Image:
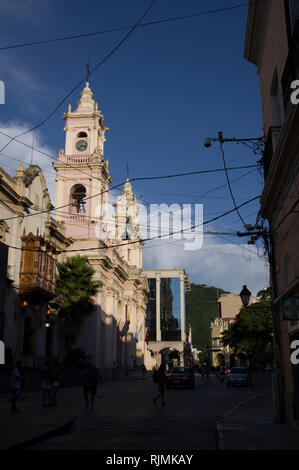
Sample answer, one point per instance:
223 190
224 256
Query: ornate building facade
229 306
272 44
112 243
29 242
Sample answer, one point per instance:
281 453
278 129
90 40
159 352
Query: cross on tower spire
87 71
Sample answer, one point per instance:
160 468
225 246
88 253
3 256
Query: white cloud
20 79
223 265
17 153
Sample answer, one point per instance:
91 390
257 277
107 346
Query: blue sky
162 93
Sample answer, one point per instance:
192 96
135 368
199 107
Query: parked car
181 376
239 376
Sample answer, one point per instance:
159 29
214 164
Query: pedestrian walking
132 363
16 383
101 382
201 371
91 377
46 384
55 381
207 373
115 371
257 380
221 373
160 379
143 371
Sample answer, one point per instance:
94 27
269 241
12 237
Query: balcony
38 268
271 142
78 218
291 69
83 159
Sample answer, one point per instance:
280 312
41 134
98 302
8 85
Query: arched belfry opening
82 134
78 199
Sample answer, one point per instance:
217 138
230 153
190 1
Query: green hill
201 311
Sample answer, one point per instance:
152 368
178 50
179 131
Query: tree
74 295
252 332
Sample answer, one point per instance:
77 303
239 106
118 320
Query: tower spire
87 72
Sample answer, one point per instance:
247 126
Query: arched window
82 134
77 199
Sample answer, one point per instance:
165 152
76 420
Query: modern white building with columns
169 336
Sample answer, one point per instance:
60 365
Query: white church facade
112 244
87 220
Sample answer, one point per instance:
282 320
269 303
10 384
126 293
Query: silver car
239 376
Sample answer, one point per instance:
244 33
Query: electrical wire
145 239
119 44
112 30
128 180
228 183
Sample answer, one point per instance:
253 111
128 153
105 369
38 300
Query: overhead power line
119 44
149 238
228 183
142 178
122 28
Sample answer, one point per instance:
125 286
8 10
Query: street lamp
245 296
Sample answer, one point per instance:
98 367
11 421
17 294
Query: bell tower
125 223
82 173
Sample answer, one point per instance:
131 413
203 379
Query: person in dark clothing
91 377
16 383
207 373
161 382
55 380
46 384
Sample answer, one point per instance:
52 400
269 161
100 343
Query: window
77 199
294 13
170 309
151 309
82 134
275 102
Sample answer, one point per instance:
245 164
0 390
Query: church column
182 294
158 314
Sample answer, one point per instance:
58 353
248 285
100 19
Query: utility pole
277 381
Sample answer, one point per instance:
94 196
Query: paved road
126 417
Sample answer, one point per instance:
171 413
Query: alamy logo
295 353
2 92
156 221
2 353
295 94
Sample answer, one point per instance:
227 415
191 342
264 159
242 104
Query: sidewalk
33 420
250 426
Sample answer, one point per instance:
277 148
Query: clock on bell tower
82 173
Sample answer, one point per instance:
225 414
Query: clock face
81 145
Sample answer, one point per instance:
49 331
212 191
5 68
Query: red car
181 376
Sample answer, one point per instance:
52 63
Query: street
126 417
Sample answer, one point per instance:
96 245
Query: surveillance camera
207 142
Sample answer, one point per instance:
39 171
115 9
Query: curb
219 428
41 437
220 436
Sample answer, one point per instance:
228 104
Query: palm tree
74 295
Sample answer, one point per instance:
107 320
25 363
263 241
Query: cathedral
112 243
137 313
